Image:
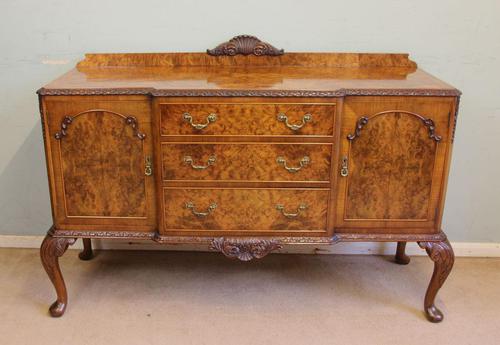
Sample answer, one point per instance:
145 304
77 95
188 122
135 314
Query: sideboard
245 149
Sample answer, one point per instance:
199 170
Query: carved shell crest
245 45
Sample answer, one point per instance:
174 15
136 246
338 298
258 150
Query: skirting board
470 249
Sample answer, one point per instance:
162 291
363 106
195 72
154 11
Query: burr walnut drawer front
281 119
245 209
246 162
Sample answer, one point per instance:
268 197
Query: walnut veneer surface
247 148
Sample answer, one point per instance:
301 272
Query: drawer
238 209
246 162
225 119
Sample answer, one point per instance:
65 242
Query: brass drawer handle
283 118
148 166
189 119
303 162
344 170
191 206
281 208
189 160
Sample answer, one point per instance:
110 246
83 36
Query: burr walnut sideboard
246 149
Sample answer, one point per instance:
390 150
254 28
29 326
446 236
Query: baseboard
470 249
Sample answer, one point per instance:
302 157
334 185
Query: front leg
50 251
442 255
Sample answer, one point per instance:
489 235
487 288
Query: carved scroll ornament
244 249
129 120
245 45
362 121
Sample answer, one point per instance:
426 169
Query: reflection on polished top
291 74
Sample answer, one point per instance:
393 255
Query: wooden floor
202 298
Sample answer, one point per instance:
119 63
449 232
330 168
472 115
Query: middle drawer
246 162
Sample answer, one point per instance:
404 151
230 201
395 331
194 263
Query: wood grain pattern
103 167
246 162
99 163
391 168
339 60
395 152
247 119
245 209
395 162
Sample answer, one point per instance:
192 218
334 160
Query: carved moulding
244 249
129 120
339 237
455 118
248 93
363 121
245 45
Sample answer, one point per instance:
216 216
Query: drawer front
246 162
247 119
231 209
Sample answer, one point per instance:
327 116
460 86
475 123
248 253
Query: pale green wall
459 41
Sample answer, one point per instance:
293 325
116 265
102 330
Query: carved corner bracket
132 122
244 249
67 120
362 121
245 45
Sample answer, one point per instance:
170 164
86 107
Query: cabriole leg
86 253
442 255
52 248
401 257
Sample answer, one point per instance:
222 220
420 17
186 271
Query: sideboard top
248 67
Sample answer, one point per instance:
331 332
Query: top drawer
280 119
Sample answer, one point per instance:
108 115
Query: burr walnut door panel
246 162
100 151
247 119
392 162
244 211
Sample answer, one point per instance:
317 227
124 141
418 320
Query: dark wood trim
244 249
343 237
250 93
455 118
245 45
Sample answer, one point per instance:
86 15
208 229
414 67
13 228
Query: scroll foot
87 253
442 255
52 248
401 257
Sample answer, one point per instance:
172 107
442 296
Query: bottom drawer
239 209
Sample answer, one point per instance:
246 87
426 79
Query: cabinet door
392 163
98 152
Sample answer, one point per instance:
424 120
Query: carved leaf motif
244 249
245 45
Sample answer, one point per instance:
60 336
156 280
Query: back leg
401 257
86 253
